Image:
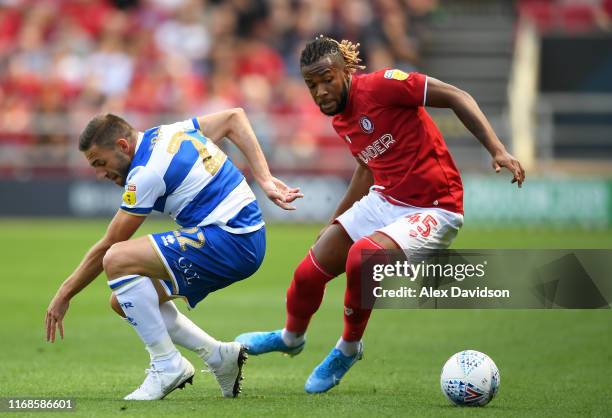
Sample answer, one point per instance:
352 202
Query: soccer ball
470 378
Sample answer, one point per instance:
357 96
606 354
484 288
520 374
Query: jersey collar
139 141
144 147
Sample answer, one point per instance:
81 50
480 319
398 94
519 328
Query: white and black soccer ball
470 378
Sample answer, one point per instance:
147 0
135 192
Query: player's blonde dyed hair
322 46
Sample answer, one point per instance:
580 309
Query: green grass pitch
552 363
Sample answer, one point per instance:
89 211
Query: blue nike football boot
329 373
266 342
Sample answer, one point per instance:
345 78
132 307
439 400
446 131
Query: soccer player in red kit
406 191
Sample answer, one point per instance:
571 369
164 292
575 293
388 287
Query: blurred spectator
184 33
49 123
110 68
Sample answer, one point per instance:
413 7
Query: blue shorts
201 260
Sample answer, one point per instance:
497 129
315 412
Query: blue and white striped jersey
178 171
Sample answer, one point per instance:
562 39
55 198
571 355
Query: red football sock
355 316
305 294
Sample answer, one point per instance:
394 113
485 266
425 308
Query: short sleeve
187 125
397 88
143 187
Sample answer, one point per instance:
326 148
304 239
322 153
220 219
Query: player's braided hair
104 130
323 45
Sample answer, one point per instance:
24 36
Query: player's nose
321 91
101 174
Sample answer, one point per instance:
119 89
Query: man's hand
504 159
281 194
55 316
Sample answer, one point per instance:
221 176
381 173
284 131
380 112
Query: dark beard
343 99
124 167
342 103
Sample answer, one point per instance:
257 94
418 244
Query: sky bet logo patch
129 197
396 75
366 124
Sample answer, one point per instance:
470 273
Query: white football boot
159 383
229 371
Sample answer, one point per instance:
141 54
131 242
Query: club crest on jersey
396 75
366 125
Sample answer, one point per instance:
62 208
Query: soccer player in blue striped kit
179 170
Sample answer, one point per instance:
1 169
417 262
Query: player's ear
123 144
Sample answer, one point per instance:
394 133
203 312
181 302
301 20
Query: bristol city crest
366 125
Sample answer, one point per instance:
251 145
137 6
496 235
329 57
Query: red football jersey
386 126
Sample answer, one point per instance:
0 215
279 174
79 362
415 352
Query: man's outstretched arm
234 124
440 94
121 228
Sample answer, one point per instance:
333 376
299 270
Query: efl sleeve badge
129 197
396 75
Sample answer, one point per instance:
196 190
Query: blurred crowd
63 61
568 16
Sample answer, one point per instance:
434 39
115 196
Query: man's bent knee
114 262
133 257
332 248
